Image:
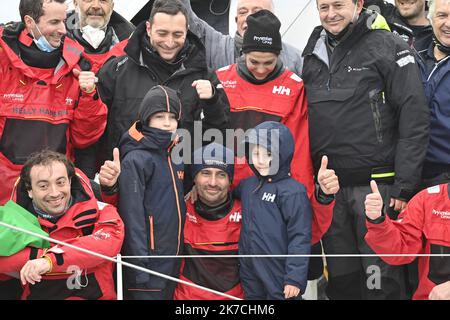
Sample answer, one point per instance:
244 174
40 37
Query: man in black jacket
160 51
408 19
368 114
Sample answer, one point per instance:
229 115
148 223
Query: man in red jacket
259 88
61 197
213 225
423 227
46 101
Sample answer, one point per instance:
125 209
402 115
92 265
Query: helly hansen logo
180 175
235 217
268 197
281 90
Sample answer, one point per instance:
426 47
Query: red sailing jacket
423 227
206 237
97 60
42 108
283 100
87 224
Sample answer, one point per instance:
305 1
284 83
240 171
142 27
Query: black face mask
443 48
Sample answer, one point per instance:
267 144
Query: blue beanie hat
213 155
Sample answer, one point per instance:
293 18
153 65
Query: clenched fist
204 89
86 79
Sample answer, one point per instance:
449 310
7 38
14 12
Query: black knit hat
263 33
159 99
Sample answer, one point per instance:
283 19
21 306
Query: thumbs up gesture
86 79
327 178
110 170
374 202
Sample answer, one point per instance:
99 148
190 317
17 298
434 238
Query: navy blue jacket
151 204
436 81
276 213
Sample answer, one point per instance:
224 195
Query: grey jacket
220 48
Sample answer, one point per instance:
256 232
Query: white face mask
94 36
42 43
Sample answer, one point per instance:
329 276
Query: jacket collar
81 193
195 54
14 32
317 42
244 73
122 28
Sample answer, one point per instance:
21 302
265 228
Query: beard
95 23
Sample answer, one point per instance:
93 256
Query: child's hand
204 89
110 170
291 291
328 180
374 202
192 195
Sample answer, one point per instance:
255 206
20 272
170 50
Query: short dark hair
34 8
171 7
44 158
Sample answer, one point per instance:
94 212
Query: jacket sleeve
405 93
132 184
302 168
89 120
14 263
216 110
106 239
219 47
403 236
292 58
107 81
296 211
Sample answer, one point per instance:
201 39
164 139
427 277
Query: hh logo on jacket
281 90
180 175
268 197
235 217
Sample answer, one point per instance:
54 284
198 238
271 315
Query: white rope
296 256
115 261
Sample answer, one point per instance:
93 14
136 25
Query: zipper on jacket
376 114
152 233
436 66
175 190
